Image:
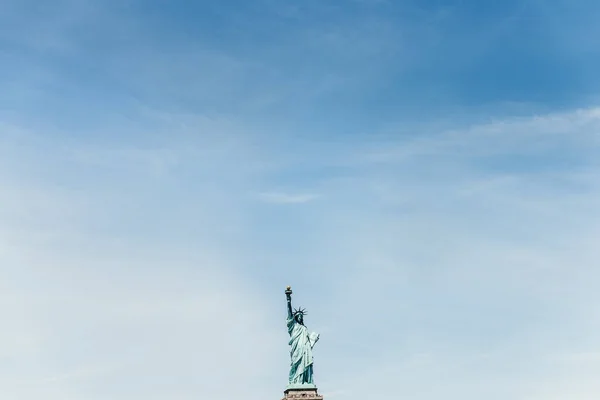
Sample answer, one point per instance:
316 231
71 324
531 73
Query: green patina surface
301 344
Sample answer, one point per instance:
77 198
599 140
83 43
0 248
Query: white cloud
286 198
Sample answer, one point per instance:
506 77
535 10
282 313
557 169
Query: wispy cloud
287 198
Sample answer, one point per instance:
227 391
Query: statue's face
300 318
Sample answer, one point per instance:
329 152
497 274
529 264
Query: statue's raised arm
288 295
301 345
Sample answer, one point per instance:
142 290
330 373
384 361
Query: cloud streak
286 198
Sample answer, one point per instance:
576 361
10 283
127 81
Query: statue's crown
300 311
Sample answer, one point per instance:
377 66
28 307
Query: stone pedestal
301 394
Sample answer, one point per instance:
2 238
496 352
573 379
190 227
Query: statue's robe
301 345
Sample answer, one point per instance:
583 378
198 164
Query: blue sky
424 174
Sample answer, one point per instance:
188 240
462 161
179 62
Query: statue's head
299 315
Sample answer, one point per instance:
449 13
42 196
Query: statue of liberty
301 345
